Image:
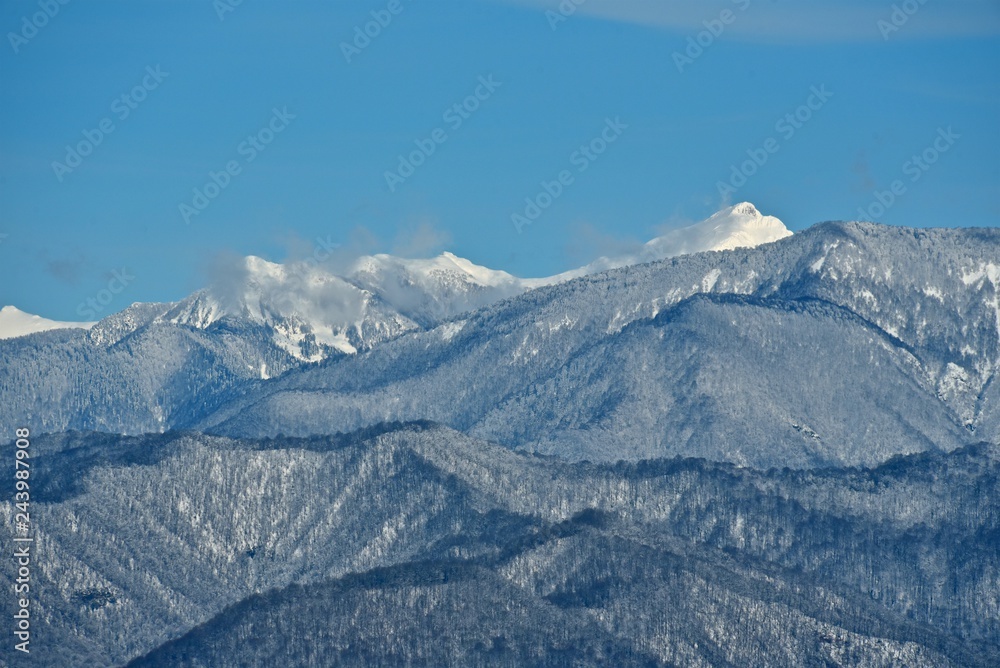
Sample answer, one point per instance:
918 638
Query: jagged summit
711 348
746 209
316 309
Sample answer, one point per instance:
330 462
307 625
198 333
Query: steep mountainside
845 344
412 543
260 319
129 378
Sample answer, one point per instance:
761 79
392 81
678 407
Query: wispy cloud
862 170
423 239
68 270
798 21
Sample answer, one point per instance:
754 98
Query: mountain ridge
407 509
939 350
316 311
14 323
548 370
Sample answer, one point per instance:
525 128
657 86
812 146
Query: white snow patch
817 265
866 294
554 326
15 322
336 340
450 329
954 379
746 285
934 293
984 271
710 280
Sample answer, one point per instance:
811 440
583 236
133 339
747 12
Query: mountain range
841 345
168 362
732 446
344 305
413 544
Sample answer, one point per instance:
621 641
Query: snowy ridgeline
417 545
844 344
334 302
436 543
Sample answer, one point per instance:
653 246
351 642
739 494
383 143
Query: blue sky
318 170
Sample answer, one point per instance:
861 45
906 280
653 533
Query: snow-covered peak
481 275
261 269
15 322
305 305
311 307
738 226
428 291
744 209
446 264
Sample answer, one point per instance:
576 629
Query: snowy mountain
431 291
14 323
843 345
418 545
780 451
313 312
310 313
738 226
